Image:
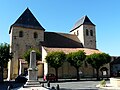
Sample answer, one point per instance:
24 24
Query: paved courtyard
64 85
77 85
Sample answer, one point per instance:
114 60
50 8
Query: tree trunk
56 72
78 78
1 74
97 71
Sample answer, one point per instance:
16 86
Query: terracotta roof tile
25 62
69 50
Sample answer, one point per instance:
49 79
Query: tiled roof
69 50
27 20
83 21
61 40
25 62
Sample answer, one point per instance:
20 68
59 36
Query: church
26 32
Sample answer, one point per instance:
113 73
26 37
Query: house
28 33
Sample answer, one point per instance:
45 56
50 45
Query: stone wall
19 45
68 71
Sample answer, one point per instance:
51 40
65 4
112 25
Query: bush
103 83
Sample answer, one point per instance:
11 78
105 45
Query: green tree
26 55
56 60
97 60
5 55
76 59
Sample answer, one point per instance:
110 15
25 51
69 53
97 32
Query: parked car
50 77
21 79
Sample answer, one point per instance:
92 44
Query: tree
76 59
27 55
5 55
56 60
97 60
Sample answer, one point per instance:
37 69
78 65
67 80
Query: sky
61 15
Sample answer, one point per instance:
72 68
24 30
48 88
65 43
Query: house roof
25 62
27 20
69 50
61 40
83 21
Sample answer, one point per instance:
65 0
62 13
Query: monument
32 72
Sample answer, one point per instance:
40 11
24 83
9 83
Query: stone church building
28 33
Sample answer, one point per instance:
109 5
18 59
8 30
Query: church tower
85 30
25 33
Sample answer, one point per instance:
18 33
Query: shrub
103 83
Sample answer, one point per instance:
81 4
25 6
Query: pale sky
61 15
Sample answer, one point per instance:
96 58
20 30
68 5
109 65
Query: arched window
77 32
74 33
87 33
35 35
91 32
21 34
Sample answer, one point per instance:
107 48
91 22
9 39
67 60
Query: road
64 85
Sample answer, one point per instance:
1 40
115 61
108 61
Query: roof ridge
61 33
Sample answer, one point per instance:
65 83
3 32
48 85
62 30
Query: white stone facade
88 41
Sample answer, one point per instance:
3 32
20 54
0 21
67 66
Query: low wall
115 82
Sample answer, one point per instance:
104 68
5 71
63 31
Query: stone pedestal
32 72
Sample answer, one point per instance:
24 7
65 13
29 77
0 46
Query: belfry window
35 35
74 33
87 33
91 32
21 34
77 32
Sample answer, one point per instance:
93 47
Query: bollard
57 87
42 84
9 87
53 88
48 84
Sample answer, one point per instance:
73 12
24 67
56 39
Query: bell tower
25 33
86 32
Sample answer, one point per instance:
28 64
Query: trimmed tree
5 55
56 60
97 60
76 59
26 55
